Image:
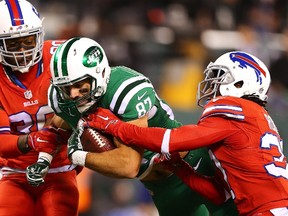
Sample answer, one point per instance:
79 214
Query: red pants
57 196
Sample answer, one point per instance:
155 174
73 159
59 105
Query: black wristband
23 144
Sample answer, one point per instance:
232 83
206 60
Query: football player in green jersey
82 80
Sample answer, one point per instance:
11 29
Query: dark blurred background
171 42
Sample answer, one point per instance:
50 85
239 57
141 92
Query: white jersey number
23 121
267 142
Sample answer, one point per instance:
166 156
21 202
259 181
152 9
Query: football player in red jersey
24 81
243 141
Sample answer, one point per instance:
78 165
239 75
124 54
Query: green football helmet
77 59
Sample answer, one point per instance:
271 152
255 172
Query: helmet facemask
22 60
215 75
82 105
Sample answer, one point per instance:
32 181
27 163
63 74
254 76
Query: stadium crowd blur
171 41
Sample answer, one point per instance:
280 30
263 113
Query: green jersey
130 96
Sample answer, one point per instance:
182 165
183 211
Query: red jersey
244 144
24 108
249 155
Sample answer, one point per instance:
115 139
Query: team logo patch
247 61
19 28
28 94
92 57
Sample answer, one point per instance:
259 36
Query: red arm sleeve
206 186
9 148
8 141
188 137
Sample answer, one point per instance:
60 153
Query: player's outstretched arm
206 186
162 140
106 121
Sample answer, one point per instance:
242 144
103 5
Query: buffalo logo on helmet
248 61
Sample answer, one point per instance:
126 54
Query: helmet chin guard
235 74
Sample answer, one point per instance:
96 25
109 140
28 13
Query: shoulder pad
138 103
129 94
227 107
49 48
52 45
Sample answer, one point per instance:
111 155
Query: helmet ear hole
103 73
239 84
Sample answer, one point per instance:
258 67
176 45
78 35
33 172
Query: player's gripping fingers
171 158
170 162
41 145
75 149
34 179
74 142
61 135
36 172
102 119
46 140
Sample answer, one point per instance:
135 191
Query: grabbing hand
47 140
74 142
102 119
36 172
170 162
75 149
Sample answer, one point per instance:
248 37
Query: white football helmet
77 59
235 74
19 18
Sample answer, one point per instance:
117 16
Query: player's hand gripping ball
93 140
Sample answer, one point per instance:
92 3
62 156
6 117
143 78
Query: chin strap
22 70
85 107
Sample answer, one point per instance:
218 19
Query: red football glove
172 162
102 119
204 185
47 140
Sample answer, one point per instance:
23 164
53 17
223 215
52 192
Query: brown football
95 141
